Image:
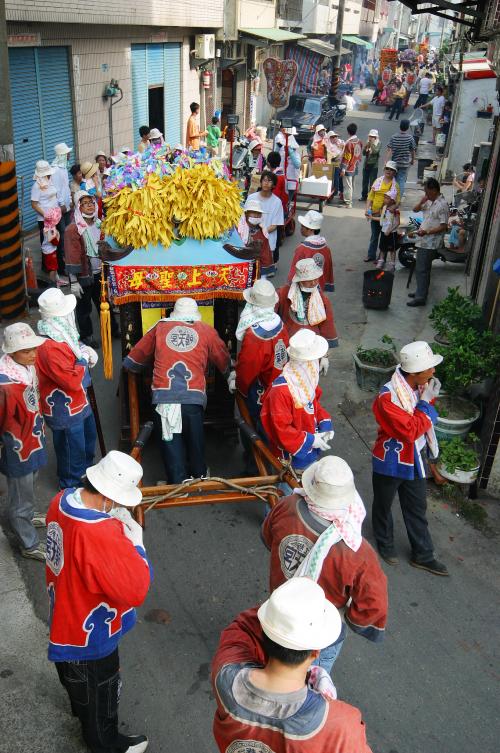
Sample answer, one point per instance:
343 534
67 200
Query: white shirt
60 180
272 214
425 85
47 198
437 106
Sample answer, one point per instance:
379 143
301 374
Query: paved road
430 688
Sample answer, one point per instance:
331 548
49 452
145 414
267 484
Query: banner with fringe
163 284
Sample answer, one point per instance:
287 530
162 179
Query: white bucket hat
62 148
306 345
53 302
116 476
331 133
43 169
20 336
298 615
306 269
186 309
373 132
262 293
253 205
311 219
80 195
154 133
101 154
418 356
254 144
391 165
319 127
329 483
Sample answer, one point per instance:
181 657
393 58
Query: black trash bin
377 289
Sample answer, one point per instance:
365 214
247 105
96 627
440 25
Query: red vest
325 329
311 249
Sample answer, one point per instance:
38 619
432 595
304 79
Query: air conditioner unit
205 46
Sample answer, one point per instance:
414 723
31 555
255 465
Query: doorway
227 94
156 108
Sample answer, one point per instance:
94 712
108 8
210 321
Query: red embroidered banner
140 283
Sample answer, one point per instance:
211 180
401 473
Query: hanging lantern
206 79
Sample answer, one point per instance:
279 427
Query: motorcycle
243 162
339 110
407 253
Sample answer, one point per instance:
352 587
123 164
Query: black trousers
94 688
370 173
397 108
83 309
184 455
413 501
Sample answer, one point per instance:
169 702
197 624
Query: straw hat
186 309
298 615
306 269
89 169
62 148
52 302
329 483
418 356
306 345
311 219
20 336
43 169
262 293
116 476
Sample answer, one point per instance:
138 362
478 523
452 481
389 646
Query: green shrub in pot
459 459
470 357
454 312
382 357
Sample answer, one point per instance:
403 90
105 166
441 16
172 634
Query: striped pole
12 289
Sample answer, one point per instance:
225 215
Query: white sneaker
39 520
139 743
37 553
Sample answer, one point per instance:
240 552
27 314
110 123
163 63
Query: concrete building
62 57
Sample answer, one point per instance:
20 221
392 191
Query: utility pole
334 85
12 288
400 20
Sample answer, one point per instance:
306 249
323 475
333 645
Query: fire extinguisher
206 79
31 281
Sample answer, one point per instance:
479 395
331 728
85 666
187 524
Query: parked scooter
243 162
407 252
417 124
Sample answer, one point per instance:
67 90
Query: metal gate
157 65
42 113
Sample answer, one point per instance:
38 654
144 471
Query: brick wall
179 13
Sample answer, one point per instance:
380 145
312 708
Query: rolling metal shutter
157 64
42 113
140 114
172 79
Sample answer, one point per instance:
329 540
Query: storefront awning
273 35
322 48
357 40
474 68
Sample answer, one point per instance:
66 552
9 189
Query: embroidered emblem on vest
292 550
182 339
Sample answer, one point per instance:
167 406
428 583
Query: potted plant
459 460
455 311
374 366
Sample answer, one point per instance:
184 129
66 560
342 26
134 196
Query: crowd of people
271 672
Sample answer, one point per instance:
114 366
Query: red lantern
206 79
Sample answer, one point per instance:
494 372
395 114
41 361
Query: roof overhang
272 36
322 48
468 12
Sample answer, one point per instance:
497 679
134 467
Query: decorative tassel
107 345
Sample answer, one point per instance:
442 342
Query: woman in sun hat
303 305
314 247
97 573
63 364
384 183
316 532
405 414
335 150
317 145
297 425
45 203
270 696
22 434
91 178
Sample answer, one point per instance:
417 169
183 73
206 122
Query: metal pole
334 84
400 20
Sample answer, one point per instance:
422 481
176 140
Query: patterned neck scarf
16 372
302 378
255 315
62 329
315 313
91 233
61 160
